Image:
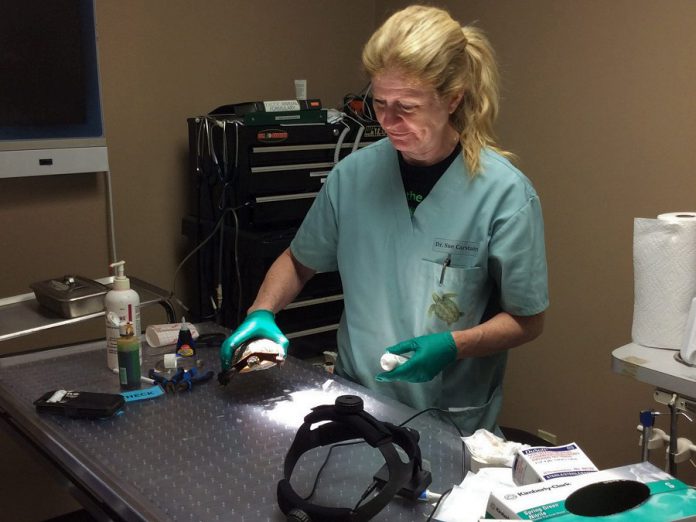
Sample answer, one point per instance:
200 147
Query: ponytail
476 114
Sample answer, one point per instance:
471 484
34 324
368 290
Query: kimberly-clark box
635 493
540 463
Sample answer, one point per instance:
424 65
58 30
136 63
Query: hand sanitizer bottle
123 302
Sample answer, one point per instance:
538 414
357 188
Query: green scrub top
489 227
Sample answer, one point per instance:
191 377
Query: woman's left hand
431 353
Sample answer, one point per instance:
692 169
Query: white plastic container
122 302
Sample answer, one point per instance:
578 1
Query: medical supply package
635 493
540 463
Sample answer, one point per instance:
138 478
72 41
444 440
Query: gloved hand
258 324
431 353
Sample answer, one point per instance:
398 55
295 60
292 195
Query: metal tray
70 296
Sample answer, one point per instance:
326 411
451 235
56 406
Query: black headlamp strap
343 427
399 471
347 420
407 439
347 425
362 423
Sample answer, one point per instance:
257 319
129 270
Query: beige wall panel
165 61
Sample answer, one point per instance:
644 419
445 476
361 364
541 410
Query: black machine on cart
258 181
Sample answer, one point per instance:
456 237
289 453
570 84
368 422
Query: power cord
218 225
326 461
219 293
213 168
448 414
426 410
365 494
359 133
359 105
437 505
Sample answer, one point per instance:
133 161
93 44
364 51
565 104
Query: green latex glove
258 324
431 353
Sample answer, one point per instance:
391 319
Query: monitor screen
49 93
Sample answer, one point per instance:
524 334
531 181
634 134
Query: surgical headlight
348 420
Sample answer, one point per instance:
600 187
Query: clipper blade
224 376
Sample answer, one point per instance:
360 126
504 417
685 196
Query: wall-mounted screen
50 104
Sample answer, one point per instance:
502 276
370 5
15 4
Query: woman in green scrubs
438 238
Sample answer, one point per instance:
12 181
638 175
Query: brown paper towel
664 276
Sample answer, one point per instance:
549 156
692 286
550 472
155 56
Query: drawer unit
275 170
269 175
307 314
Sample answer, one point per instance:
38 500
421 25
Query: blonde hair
427 44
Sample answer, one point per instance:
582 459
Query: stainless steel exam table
213 453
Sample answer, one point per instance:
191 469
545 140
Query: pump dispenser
122 302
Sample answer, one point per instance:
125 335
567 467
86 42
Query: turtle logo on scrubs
445 308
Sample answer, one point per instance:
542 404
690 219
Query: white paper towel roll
664 272
688 346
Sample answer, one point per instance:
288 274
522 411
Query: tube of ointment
389 361
158 335
142 377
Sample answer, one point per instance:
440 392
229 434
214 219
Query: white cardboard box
541 463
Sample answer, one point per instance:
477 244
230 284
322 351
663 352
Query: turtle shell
257 354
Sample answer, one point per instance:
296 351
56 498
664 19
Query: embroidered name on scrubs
419 180
453 247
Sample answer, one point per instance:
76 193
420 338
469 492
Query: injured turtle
251 356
